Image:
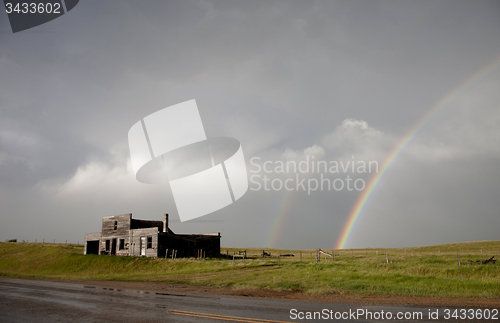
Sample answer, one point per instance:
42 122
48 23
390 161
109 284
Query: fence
42 241
239 256
388 257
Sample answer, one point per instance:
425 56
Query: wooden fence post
458 255
387 257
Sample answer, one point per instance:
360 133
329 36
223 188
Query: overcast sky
337 80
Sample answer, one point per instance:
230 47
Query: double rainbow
443 102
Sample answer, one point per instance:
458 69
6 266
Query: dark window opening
115 226
121 246
150 242
107 245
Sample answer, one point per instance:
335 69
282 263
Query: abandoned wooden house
123 236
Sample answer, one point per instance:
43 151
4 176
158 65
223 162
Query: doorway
93 247
113 247
143 246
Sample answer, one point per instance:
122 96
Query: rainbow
443 102
279 220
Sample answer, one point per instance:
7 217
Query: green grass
422 271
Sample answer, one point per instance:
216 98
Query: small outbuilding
122 235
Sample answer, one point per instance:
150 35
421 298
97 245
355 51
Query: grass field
422 271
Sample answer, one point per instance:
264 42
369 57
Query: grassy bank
423 271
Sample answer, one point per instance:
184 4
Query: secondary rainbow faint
280 219
444 101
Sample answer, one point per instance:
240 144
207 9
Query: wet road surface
46 301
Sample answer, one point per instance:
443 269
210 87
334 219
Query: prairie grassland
422 271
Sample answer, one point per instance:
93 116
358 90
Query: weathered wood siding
116 227
122 228
135 237
121 235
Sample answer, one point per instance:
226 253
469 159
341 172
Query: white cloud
315 151
356 138
96 177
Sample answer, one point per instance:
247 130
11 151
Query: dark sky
337 80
